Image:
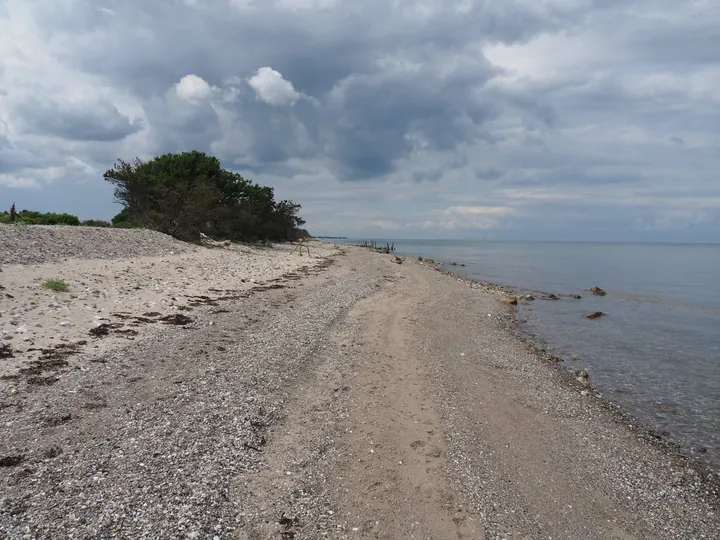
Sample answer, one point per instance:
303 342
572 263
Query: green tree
124 220
185 194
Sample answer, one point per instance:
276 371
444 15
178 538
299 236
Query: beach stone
529 297
576 296
597 291
583 377
512 300
595 315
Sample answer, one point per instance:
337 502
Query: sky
488 119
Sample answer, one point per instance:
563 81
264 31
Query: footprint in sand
468 528
433 451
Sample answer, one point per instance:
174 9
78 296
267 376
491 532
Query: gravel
38 244
145 442
248 423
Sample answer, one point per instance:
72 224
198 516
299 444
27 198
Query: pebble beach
178 391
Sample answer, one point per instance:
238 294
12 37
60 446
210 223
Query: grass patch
57 285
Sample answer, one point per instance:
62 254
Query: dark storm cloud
492 101
147 47
82 122
381 117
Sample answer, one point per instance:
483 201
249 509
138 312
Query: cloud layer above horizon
537 119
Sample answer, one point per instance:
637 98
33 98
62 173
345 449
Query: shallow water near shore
657 351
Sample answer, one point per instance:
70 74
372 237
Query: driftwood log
209 242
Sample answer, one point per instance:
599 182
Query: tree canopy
189 193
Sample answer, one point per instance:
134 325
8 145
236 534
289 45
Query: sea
656 353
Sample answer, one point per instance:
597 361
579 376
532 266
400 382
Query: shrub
96 223
126 225
123 220
57 285
39 218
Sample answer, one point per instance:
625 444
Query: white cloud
193 88
480 217
28 177
541 195
242 5
19 181
381 224
272 88
479 210
297 5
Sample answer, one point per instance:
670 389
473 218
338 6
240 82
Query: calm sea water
656 353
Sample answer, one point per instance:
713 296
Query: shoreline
638 426
365 398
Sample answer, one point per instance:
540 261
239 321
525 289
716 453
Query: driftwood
299 247
209 242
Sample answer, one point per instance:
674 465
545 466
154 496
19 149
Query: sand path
449 428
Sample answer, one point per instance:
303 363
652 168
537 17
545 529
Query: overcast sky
521 119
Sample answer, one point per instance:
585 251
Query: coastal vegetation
31 217
186 194
56 285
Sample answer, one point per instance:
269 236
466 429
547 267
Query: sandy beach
123 296
341 395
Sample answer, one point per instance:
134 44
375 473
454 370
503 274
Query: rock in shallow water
595 315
